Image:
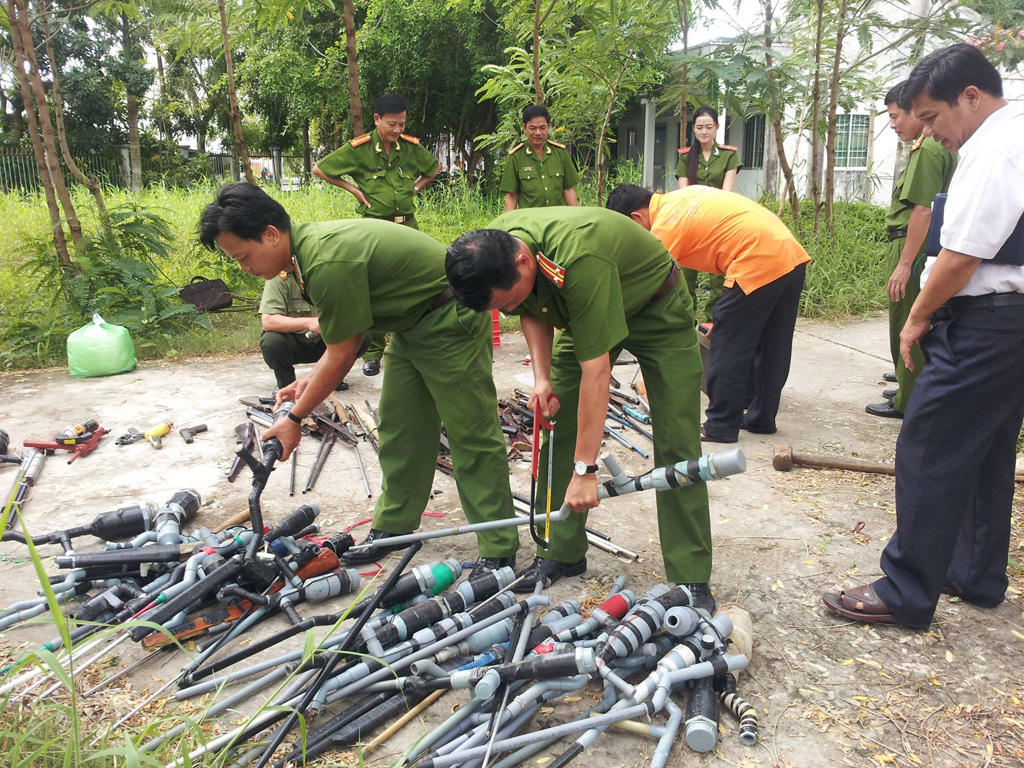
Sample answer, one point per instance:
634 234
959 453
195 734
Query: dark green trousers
379 340
282 351
441 371
663 338
715 285
899 311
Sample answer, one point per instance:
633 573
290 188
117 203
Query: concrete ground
828 692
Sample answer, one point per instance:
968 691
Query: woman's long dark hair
692 157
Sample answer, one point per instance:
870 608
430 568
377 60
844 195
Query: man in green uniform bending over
539 172
927 173
609 285
388 168
364 275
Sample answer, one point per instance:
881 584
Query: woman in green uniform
715 165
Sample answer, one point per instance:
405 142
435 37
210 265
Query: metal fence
18 170
19 173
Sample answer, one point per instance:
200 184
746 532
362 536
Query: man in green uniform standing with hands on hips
364 275
708 164
538 173
388 168
927 173
609 285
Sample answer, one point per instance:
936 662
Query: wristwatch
583 469
295 418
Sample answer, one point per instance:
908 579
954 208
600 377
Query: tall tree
819 22
236 117
21 48
130 51
352 67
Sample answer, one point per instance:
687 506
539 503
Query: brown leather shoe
860 604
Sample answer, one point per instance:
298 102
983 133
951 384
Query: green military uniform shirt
386 179
596 269
711 172
284 297
928 172
539 181
367 275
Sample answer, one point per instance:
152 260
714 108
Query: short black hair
627 198
477 263
945 74
894 94
244 210
535 110
389 104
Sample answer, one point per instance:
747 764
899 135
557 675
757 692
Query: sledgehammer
784 460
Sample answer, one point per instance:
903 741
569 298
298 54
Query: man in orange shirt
724 233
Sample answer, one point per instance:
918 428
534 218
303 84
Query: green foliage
117 276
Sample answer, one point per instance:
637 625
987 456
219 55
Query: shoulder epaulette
729 146
556 144
516 148
683 150
360 140
550 270
410 139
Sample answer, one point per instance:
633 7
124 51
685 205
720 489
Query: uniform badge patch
550 270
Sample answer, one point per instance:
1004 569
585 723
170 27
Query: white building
869 155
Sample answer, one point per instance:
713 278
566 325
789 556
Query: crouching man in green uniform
927 173
388 168
609 286
365 275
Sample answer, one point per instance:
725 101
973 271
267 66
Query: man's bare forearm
593 408
949 274
331 368
511 201
539 338
917 232
284 324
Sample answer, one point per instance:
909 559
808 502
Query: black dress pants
282 351
756 330
955 465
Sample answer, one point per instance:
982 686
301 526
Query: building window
852 134
753 142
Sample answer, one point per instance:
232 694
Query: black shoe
342 386
889 377
702 597
889 394
487 564
757 430
548 571
372 553
715 438
885 410
371 368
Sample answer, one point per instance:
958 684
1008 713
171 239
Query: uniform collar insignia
917 144
547 148
298 275
550 270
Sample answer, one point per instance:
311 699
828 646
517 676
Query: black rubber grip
293 523
151 553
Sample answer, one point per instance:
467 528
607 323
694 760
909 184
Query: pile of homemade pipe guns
409 643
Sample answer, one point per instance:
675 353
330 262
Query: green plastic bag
100 349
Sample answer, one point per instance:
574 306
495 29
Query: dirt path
828 692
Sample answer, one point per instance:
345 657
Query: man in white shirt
955 454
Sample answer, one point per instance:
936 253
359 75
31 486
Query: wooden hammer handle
837 462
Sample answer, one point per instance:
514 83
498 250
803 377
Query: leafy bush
116 275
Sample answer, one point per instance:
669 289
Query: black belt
985 301
668 285
896 234
442 298
396 219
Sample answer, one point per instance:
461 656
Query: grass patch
845 279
